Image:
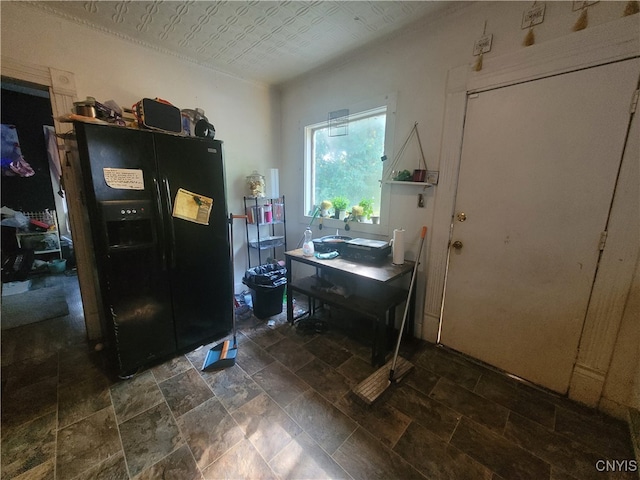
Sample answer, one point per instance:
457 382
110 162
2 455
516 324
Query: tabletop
384 271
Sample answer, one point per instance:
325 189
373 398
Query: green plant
367 207
340 203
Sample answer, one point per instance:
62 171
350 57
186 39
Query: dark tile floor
285 410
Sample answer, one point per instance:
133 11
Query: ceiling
263 41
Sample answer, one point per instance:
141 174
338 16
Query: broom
223 355
370 389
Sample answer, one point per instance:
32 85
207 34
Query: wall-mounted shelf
398 182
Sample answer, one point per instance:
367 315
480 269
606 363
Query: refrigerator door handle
163 242
165 182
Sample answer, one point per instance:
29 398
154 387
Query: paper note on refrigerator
192 207
124 178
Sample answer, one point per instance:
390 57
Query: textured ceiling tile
265 41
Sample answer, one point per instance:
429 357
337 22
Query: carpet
33 306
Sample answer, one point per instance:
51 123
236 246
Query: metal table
374 295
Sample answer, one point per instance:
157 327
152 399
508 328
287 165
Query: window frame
360 109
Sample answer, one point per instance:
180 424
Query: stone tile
29 402
83 444
79 363
178 465
452 366
497 453
233 387
79 400
30 371
324 423
170 368
421 379
560 475
44 471
356 369
506 393
380 419
196 357
433 415
324 379
252 358
291 333
328 351
149 437
290 354
266 425
280 383
185 391
241 461
357 348
605 435
209 431
303 458
566 455
362 457
436 459
263 335
28 445
113 468
475 407
134 396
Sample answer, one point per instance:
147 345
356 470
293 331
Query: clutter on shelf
150 113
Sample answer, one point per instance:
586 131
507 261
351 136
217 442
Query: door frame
588 48
62 93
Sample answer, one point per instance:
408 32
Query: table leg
289 292
379 350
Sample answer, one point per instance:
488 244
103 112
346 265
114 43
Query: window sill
330 225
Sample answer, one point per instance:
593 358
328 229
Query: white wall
245 115
416 65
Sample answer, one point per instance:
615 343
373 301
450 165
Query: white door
537 174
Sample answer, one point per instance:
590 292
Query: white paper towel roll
274 183
397 246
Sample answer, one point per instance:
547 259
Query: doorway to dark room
41 302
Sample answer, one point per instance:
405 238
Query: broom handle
406 308
233 306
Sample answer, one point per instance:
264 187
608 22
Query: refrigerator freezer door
199 255
126 229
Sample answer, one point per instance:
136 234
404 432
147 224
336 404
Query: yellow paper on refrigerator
192 207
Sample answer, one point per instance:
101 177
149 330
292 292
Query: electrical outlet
420 200
432 177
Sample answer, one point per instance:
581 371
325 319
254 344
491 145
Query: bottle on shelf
307 245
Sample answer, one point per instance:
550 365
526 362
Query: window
348 164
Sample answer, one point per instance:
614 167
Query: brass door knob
457 244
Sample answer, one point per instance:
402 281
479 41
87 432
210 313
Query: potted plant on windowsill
367 207
340 205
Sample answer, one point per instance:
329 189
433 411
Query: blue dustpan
221 356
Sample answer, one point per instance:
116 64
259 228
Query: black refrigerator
157 211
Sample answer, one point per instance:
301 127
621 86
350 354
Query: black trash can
267 284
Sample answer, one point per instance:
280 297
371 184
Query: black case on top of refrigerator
166 284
